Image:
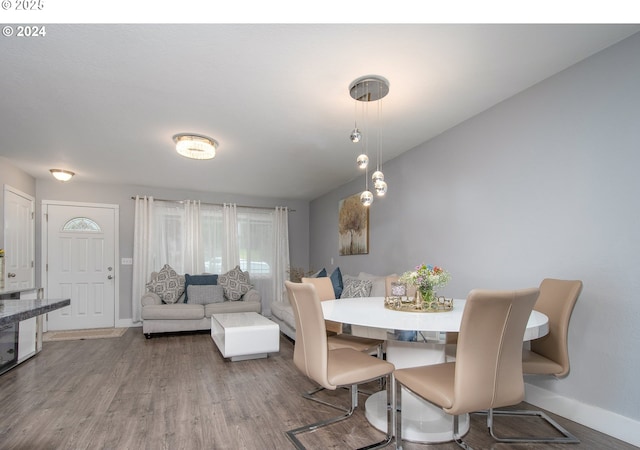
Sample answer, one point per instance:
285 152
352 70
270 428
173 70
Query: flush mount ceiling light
367 89
195 146
61 175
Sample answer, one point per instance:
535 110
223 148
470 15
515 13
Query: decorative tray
408 304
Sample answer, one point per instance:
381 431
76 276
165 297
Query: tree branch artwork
353 226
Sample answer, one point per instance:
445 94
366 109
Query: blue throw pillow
320 274
198 280
336 280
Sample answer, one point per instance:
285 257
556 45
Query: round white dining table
421 421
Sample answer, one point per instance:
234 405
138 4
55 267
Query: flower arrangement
426 278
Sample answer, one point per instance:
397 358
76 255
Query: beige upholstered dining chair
549 355
336 339
487 372
330 368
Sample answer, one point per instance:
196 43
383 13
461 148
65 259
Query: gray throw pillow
235 283
356 288
167 284
204 294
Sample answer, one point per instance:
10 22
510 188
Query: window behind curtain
168 235
255 236
212 238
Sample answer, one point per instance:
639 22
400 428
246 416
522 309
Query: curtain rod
217 204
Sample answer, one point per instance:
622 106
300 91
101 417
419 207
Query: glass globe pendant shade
377 176
366 198
355 135
381 188
362 161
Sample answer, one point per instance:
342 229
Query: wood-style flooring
175 391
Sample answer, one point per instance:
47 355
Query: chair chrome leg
397 410
310 396
456 434
291 434
566 438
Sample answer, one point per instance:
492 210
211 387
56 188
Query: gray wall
544 184
78 191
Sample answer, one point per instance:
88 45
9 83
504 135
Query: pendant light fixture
367 89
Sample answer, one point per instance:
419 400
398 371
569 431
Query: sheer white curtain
142 255
193 254
281 252
177 236
231 250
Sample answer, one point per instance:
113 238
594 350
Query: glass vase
427 298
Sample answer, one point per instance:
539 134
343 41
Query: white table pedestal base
421 421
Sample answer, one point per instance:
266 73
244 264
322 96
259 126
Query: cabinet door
26 338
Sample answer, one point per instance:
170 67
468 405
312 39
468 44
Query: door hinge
33 215
46 267
32 265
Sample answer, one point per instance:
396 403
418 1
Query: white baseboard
127 323
615 425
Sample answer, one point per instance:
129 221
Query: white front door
80 264
19 237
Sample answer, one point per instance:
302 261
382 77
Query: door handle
11 275
110 277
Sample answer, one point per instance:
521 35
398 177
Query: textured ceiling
105 100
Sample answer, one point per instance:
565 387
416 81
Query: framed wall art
353 226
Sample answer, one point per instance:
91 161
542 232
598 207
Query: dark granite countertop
17 310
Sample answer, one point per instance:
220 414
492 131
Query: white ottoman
241 336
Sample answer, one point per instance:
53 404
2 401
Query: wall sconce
61 175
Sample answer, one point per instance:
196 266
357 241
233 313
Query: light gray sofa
160 317
282 312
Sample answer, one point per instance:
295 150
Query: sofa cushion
205 293
167 284
235 283
284 312
356 288
173 311
231 307
197 280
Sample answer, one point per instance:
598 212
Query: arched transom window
83 224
